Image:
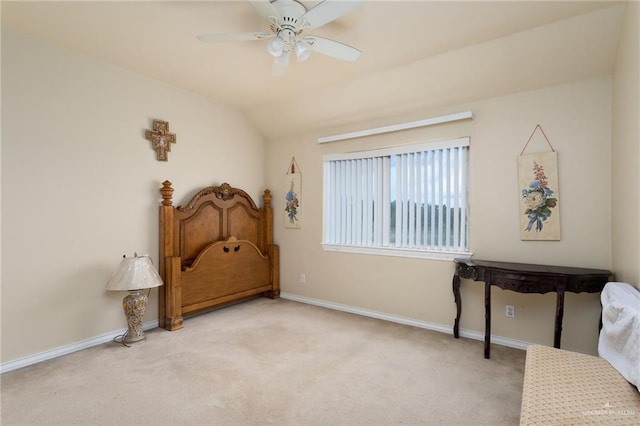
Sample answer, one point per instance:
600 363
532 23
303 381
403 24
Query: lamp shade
302 50
134 273
282 60
276 46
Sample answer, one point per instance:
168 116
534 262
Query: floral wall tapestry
292 197
539 198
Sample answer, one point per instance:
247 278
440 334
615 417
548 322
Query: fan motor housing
289 11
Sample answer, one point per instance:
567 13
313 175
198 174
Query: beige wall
79 189
626 150
80 185
577 119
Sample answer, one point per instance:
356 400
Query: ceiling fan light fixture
302 50
282 61
288 20
276 46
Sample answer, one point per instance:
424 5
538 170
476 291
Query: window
402 201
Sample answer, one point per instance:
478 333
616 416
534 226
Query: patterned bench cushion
569 388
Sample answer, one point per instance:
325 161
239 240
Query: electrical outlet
510 311
303 278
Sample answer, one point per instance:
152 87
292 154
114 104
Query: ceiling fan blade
333 48
327 11
256 35
265 9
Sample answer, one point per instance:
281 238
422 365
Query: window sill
397 252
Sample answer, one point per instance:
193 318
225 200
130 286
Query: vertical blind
411 197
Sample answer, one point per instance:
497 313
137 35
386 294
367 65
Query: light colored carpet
273 362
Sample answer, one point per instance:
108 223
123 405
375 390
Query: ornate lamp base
134 305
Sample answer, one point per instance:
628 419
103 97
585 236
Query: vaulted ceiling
416 54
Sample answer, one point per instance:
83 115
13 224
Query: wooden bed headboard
216 249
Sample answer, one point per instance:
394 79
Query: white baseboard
448 329
67 349
108 337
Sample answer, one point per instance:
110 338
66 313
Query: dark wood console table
525 278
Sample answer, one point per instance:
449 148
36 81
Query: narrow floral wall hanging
539 194
293 196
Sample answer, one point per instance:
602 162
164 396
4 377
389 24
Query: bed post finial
167 192
266 238
267 198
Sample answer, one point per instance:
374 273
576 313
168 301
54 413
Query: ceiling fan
288 20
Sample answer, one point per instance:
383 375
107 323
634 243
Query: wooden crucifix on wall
161 139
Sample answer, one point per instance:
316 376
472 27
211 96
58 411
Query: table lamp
134 274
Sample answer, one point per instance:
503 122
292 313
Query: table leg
559 314
487 318
458 300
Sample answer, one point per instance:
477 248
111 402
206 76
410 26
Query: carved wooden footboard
215 250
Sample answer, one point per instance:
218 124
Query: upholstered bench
569 388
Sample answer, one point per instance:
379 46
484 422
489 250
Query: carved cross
160 138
